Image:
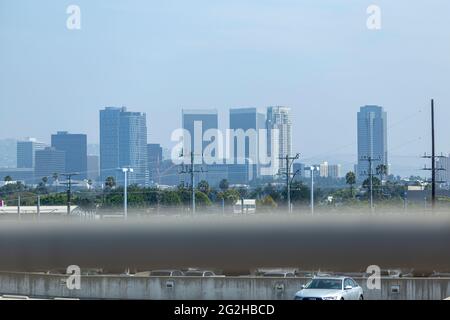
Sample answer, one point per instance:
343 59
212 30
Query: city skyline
201 153
322 62
345 166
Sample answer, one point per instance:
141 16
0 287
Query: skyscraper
93 167
133 145
26 152
109 142
246 146
123 143
154 158
75 148
197 122
372 139
48 162
278 118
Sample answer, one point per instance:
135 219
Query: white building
443 175
279 118
323 170
330 170
334 171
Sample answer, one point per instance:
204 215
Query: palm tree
243 192
224 185
350 179
376 183
203 186
258 192
55 177
110 182
381 171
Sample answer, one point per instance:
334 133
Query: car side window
347 283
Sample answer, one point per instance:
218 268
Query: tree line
268 195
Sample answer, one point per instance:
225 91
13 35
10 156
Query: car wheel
361 297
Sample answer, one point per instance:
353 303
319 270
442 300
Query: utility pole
192 173
289 161
193 182
371 183
433 158
39 205
405 197
69 184
370 159
125 170
312 169
18 205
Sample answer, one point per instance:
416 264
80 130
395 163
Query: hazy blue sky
317 57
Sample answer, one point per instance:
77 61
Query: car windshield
325 284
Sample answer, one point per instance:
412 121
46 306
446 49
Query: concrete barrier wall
235 288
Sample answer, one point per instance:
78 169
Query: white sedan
331 288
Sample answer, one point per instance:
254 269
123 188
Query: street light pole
312 169
125 191
288 185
